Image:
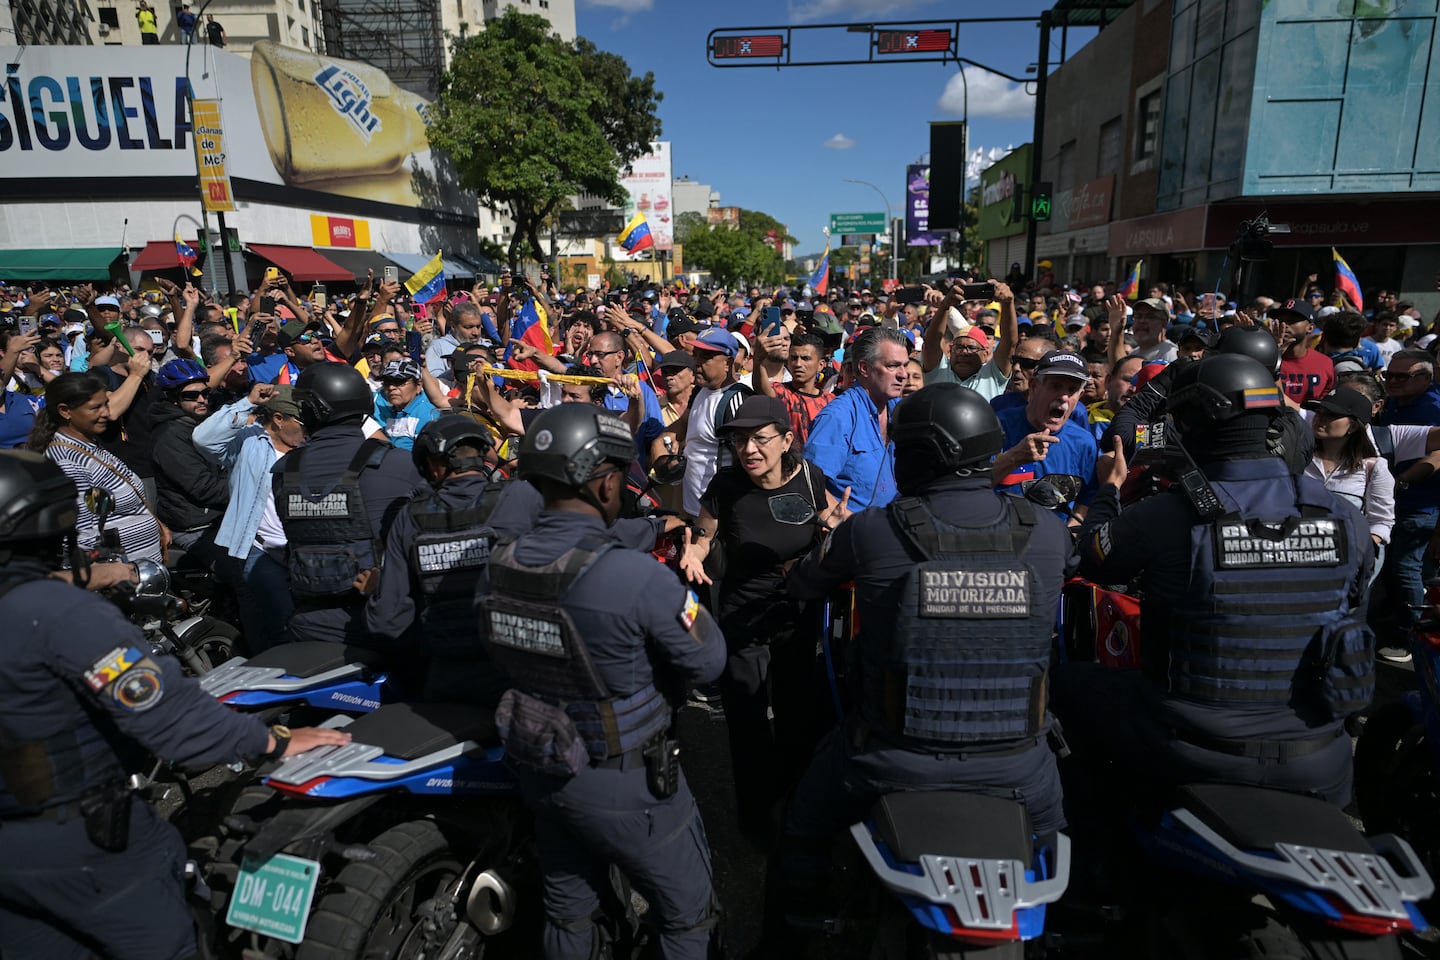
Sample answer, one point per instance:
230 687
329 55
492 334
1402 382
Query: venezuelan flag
186 255
636 235
429 282
820 280
1131 290
1346 281
531 324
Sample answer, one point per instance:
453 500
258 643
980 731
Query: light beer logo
350 98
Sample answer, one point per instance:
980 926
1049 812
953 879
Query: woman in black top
767 512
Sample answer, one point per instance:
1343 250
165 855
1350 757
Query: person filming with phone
974 361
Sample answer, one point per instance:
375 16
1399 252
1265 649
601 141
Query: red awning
301 263
159 255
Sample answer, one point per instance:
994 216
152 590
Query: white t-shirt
1388 349
1164 350
270 530
702 447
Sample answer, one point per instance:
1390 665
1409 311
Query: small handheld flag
1346 281
187 256
532 325
636 235
820 279
428 283
1131 290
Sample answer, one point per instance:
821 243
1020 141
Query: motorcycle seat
953 824
413 730
1257 818
311 657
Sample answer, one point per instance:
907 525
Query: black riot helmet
1253 342
442 439
940 429
1223 387
332 393
569 442
37 499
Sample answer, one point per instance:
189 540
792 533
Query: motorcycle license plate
272 898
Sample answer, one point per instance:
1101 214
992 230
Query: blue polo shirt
652 423
845 444
1074 452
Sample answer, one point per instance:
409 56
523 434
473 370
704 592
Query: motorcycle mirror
669 469
1045 493
101 503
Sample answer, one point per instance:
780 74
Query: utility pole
1037 144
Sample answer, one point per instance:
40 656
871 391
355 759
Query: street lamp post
964 157
889 226
204 213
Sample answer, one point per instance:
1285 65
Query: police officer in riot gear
337 497
956 591
1289 435
1253 644
601 644
83 698
444 538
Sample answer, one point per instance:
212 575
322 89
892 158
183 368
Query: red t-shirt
1307 378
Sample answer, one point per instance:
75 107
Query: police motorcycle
1247 871
1397 756
305 675
409 841
199 641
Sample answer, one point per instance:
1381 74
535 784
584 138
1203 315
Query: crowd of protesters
178 403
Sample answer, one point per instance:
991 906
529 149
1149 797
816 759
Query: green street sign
857 223
273 898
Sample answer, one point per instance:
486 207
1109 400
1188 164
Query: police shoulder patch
690 610
131 678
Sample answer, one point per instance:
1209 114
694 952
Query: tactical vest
532 637
964 658
331 540
451 550
1267 599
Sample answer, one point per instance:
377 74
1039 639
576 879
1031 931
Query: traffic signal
1040 201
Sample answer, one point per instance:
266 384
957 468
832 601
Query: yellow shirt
147 21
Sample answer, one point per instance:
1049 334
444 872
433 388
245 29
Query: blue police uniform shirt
846 445
75 671
17 418
1073 453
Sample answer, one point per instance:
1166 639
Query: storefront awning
359 261
301 263
62 263
159 255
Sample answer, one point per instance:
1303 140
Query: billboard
300 129
647 183
1000 184
917 208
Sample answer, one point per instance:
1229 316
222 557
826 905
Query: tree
687 223
732 257
761 226
530 120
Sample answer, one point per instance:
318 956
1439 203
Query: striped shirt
90 465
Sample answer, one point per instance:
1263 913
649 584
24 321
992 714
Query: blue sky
783 141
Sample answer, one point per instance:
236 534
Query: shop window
1147 127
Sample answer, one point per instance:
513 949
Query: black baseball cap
1299 308
1062 363
1343 403
1208 337
676 360
760 411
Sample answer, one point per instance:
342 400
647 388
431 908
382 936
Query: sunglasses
305 338
1025 363
195 394
1396 377
601 354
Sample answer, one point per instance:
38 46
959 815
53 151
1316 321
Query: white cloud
990 96
838 142
982 157
628 6
843 10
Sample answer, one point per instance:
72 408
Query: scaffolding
401 37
